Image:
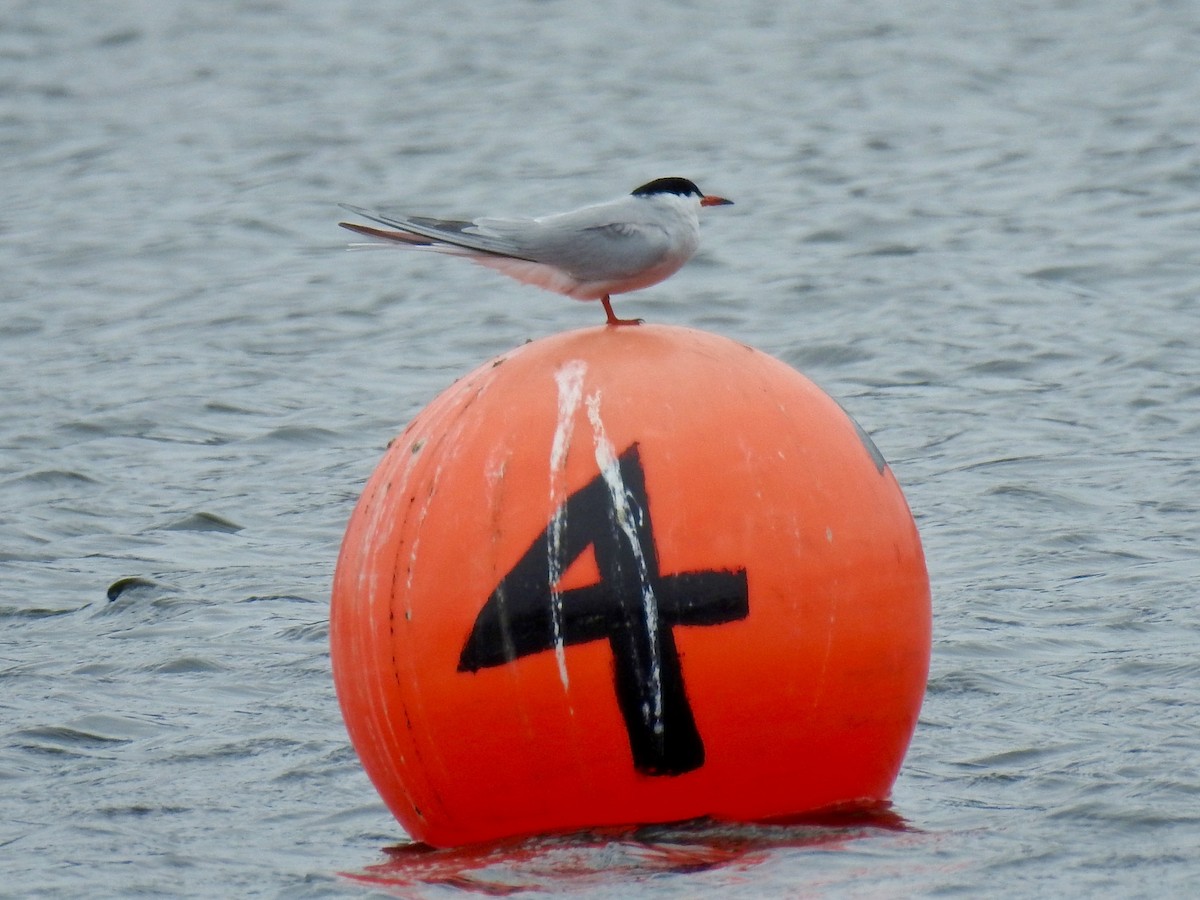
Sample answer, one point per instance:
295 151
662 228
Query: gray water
976 225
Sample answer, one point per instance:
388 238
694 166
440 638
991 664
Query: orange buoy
629 575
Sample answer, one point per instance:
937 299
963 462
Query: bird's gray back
588 249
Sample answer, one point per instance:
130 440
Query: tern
588 253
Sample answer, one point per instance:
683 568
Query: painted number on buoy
633 607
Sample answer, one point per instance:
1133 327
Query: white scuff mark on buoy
569 379
497 466
610 471
381 526
414 550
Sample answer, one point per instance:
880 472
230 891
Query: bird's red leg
612 317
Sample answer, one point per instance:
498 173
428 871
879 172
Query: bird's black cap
680 186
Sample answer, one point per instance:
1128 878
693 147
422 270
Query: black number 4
632 606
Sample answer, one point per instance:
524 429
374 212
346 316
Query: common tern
589 253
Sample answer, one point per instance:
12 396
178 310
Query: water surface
974 225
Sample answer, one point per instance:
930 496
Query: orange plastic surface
628 575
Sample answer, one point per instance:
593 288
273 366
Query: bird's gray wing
456 233
585 249
581 243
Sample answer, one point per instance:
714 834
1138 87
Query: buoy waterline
624 576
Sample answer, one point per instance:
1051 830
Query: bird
588 253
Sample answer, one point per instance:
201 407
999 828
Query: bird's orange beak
715 201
